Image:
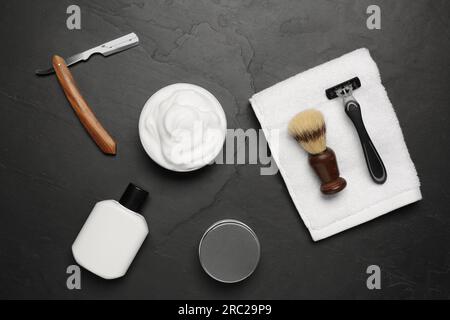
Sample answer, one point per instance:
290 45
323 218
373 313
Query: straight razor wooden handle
101 137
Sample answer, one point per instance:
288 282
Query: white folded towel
362 200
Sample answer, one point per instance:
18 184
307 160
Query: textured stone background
52 174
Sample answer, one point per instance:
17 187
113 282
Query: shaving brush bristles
308 128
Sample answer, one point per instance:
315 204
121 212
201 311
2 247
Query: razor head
343 89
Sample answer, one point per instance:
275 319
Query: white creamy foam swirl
187 126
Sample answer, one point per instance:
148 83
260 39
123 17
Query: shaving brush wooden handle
326 168
308 128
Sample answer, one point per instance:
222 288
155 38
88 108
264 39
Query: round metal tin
229 251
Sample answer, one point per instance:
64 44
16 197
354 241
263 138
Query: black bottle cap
133 198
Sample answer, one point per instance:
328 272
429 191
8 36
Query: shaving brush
309 129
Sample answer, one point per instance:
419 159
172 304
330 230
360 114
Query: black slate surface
52 174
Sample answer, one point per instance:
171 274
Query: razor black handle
373 159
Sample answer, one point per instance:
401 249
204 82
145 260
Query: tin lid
229 251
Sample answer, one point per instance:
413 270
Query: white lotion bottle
112 235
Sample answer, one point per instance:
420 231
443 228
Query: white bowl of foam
182 127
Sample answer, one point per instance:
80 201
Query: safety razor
374 162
